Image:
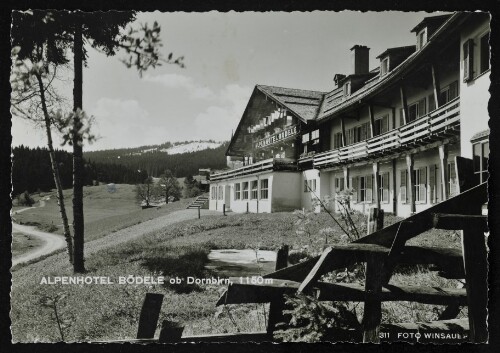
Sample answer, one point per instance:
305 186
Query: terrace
440 123
257 167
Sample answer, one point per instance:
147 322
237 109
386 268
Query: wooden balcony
436 125
257 167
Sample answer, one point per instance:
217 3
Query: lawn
101 312
104 212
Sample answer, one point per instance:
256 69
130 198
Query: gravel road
51 243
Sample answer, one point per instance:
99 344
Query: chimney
360 59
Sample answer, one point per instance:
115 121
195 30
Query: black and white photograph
274 176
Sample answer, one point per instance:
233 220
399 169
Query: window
355 186
310 185
433 181
383 187
403 186
449 93
213 194
481 151
420 189
339 184
264 189
382 125
237 191
358 133
305 138
484 60
255 190
337 140
415 111
245 190
468 59
421 38
365 188
221 193
384 67
315 136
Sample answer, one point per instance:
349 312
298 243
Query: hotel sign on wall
279 136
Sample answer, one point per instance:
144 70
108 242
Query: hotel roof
305 104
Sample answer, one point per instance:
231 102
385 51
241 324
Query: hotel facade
386 136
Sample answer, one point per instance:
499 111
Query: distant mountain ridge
166 147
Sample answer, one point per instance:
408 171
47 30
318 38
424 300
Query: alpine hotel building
389 134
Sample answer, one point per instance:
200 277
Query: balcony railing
431 126
265 165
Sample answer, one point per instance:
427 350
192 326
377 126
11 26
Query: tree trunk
55 170
78 228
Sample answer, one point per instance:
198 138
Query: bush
25 199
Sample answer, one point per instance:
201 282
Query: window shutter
385 187
402 188
485 53
341 186
453 91
401 117
453 179
355 187
432 103
369 188
421 107
385 124
423 184
468 51
432 183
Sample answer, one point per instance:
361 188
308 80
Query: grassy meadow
106 312
104 212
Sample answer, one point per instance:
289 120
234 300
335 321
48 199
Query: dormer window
347 88
384 66
421 38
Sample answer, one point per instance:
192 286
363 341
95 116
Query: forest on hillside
31 170
155 162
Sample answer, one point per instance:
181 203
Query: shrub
25 199
311 320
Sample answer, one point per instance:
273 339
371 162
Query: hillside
31 169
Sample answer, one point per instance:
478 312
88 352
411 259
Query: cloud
177 81
122 123
217 121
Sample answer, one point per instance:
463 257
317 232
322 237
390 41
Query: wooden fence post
224 209
375 220
247 207
170 332
276 307
199 212
476 282
149 315
372 314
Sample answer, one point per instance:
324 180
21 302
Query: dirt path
51 242
121 236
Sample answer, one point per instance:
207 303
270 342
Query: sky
226 55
